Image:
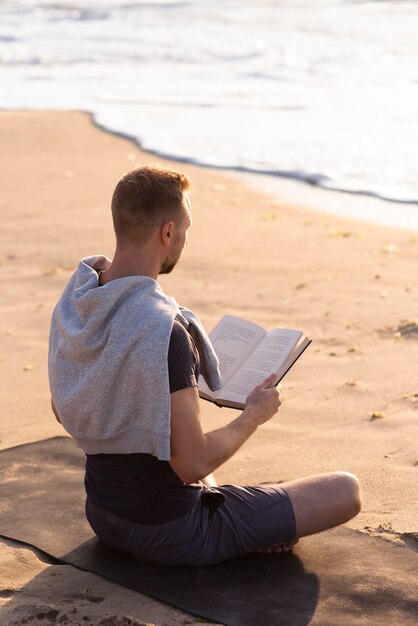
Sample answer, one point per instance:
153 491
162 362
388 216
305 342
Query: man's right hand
263 402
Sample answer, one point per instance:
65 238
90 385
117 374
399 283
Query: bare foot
279 547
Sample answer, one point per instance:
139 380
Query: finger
268 382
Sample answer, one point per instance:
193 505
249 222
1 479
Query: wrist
248 419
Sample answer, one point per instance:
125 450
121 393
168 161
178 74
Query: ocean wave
386 193
327 97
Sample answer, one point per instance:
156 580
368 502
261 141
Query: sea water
321 91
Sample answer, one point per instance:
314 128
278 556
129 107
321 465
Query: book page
297 351
269 356
233 340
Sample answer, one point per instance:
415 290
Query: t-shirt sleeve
183 359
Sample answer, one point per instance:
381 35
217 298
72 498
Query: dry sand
351 403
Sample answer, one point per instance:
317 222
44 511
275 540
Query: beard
170 263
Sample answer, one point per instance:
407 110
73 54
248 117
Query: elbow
189 479
188 474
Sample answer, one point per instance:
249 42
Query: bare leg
323 501
320 502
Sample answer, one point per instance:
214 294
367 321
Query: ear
167 233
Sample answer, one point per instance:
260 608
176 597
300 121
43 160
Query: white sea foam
325 92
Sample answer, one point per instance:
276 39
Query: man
124 361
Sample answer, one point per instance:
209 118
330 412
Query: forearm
195 454
221 444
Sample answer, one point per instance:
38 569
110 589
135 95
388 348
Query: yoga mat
340 577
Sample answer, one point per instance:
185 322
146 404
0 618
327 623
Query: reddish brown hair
146 197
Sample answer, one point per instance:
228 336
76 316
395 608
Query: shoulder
180 339
183 359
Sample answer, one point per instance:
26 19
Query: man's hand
263 402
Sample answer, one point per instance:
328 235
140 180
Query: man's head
149 201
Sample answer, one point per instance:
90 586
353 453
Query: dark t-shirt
139 487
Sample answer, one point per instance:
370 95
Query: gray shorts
249 518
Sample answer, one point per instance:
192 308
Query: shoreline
363 206
356 205
350 404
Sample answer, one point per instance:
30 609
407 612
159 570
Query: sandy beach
351 403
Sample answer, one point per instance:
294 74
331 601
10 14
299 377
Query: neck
126 262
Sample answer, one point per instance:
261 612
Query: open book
247 355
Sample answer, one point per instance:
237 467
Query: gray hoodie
108 368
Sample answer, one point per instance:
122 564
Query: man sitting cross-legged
124 360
